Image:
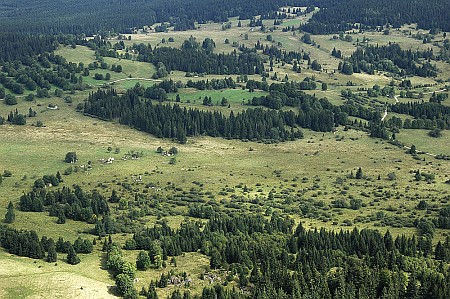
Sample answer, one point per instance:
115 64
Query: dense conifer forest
342 15
242 163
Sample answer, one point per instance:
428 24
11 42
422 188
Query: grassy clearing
234 96
425 143
313 169
38 279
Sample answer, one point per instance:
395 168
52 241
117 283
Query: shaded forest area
90 17
341 15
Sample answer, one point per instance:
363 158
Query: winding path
397 101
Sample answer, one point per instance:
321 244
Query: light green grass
234 96
425 143
26 278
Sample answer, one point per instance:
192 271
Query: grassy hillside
310 180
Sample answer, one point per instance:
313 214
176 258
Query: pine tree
72 257
10 215
61 217
114 197
359 174
143 261
151 294
52 255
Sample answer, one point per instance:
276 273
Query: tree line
92 17
27 243
339 16
172 121
192 58
390 58
273 259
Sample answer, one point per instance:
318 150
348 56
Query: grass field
234 96
39 279
314 170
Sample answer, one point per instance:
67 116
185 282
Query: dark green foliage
88 18
114 197
10 100
123 271
172 121
284 259
52 255
346 68
192 59
359 174
390 58
316 66
82 246
22 243
72 257
71 157
16 118
436 133
340 16
215 84
10 215
61 216
143 261
69 203
151 294
124 285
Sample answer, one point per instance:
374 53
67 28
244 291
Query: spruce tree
61 217
72 257
359 174
51 256
10 215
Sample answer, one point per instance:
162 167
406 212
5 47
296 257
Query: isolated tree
10 100
224 102
114 197
359 174
10 215
71 157
173 150
418 176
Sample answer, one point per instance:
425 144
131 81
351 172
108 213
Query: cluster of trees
90 18
39 76
27 243
69 203
340 16
16 118
193 58
281 55
216 84
172 121
123 271
427 115
273 259
22 47
390 58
